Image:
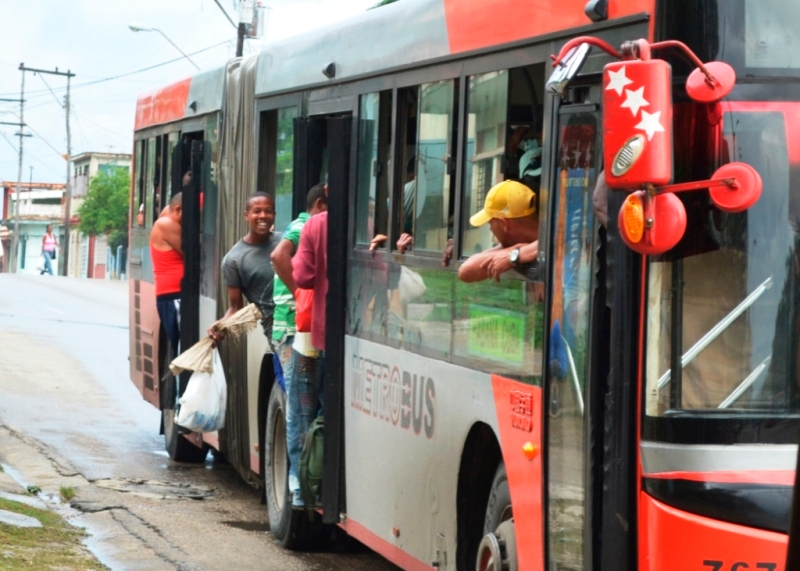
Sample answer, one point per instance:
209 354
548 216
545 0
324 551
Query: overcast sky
92 39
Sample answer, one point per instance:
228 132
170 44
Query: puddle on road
259 526
155 489
15 474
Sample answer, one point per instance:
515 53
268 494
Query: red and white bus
607 411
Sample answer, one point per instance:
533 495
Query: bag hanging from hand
202 406
40 264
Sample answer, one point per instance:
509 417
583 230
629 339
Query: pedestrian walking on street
49 245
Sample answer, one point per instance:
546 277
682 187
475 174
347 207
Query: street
69 415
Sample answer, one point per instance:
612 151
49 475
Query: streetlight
139 28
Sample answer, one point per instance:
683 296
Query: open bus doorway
321 155
188 170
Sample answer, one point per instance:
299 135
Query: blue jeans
303 403
169 312
48 266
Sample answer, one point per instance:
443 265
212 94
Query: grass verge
55 545
66 492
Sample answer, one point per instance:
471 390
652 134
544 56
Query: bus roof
193 96
413 31
389 37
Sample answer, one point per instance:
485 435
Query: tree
105 208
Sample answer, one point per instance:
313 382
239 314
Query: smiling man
247 269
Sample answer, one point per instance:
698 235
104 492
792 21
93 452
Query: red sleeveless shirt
167 270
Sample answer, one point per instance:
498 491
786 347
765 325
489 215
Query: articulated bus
605 410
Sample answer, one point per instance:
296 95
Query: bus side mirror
567 68
637 140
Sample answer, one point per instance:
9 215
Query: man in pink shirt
310 271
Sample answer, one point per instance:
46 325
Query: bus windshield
770 28
723 309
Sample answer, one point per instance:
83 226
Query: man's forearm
283 268
472 269
303 267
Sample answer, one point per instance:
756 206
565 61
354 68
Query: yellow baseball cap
509 199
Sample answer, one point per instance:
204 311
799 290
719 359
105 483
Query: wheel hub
498 551
490 556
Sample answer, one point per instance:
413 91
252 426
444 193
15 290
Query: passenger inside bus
511 211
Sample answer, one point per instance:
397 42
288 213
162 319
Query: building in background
89 255
40 204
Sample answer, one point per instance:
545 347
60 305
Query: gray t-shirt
248 267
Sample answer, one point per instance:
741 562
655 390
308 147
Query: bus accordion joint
637 137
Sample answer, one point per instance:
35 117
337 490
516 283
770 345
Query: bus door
190 231
322 154
570 376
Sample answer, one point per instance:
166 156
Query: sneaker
297 501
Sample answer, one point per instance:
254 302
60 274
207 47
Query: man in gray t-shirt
247 269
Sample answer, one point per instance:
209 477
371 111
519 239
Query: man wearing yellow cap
510 210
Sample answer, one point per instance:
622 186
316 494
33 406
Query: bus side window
487 105
276 161
159 186
504 141
427 121
372 185
138 185
150 170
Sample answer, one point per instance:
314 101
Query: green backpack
311 462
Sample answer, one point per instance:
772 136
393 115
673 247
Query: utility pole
240 40
68 157
12 257
68 204
240 30
15 237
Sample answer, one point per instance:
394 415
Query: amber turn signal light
651 225
632 218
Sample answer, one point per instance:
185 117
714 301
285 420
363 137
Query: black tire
178 448
498 509
498 548
292 528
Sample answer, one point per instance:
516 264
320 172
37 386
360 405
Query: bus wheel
178 448
498 548
291 527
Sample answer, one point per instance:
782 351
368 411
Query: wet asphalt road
65 391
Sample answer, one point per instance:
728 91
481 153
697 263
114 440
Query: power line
41 76
16 150
128 73
45 141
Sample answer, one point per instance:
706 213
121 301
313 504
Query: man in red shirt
166 252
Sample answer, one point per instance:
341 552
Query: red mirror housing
743 191
637 123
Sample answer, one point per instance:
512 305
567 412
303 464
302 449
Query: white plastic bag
40 264
202 406
410 285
